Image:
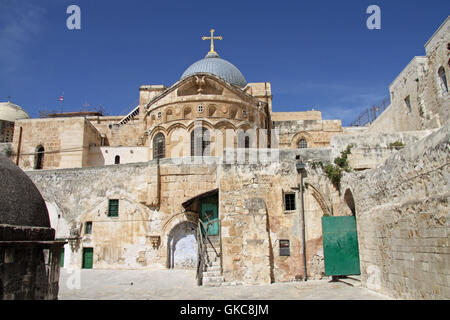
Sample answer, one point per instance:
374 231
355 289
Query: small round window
200 109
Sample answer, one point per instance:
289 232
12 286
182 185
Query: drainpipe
300 170
19 146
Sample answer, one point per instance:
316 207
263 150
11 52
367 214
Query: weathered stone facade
402 211
145 166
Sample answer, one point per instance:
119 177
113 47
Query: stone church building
203 174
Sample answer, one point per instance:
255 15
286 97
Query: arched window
243 140
39 158
117 160
159 146
443 78
200 141
302 144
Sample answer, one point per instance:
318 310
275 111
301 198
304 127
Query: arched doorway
182 246
117 160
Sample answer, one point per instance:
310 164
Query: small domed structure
29 254
20 200
213 64
12 112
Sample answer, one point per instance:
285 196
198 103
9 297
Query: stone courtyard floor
181 285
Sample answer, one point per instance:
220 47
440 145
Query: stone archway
182 246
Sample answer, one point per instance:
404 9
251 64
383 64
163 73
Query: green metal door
88 258
340 246
62 258
210 214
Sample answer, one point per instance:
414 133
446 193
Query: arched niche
182 250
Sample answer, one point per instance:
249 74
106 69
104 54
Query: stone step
213 273
213 268
212 284
215 279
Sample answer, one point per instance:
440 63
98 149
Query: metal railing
202 241
370 114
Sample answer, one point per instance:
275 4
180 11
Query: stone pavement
181 285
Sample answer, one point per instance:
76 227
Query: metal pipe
303 228
19 146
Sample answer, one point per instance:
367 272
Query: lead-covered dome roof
21 203
213 64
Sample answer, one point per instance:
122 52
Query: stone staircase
212 275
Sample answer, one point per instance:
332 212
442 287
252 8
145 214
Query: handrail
202 247
200 262
220 244
206 233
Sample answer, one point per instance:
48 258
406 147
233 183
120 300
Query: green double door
209 214
340 246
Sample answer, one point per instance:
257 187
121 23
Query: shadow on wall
182 246
350 201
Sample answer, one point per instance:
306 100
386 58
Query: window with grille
244 113
200 142
113 208
289 201
302 144
159 146
200 109
159 115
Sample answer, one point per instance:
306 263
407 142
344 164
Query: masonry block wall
403 219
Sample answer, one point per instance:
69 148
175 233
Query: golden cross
212 38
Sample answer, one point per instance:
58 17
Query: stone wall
402 211
371 149
150 204
62 139
317 133
5 148
254 220
131 134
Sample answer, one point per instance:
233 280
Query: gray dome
21 204
219 67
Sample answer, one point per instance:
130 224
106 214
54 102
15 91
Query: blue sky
317 54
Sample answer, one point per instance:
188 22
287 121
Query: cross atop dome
212 38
